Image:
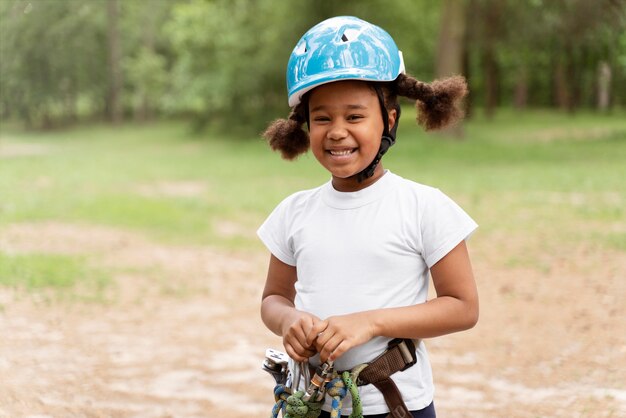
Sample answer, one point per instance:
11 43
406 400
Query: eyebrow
350 106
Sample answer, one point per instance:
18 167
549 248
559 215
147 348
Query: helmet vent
350 34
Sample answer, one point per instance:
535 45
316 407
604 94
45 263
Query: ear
391 117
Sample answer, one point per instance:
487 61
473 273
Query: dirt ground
179 334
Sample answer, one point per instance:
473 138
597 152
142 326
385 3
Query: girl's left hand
338 334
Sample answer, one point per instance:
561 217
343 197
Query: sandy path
187 341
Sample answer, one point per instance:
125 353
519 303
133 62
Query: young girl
350 260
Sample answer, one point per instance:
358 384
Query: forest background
221 63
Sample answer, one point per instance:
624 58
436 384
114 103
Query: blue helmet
341 48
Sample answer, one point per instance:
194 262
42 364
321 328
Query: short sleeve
443 225
274 234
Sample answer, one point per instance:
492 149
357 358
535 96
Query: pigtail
438 103
288 135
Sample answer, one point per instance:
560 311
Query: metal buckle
276 363
407 350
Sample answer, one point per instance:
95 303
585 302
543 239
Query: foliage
221 73
49 60
222 62
554 47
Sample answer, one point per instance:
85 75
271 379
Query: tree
50 55
147 56
114 72
450 52
223 61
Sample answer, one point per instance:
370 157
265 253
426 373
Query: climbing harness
294 403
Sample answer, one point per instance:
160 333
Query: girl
350 260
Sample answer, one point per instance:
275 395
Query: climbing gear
298 405
318 382
276 363
341 48
286 396
399 356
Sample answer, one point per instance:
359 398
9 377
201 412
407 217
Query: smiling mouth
341 153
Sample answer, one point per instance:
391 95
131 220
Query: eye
355 117
321 119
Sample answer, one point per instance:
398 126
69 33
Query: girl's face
346 125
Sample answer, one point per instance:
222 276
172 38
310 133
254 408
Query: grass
545 175
51 272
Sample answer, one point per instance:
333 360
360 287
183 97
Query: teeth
342 152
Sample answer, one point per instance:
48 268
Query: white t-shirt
364 250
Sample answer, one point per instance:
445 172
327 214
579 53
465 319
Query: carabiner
317 388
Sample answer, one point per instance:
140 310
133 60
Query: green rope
349 378
297 408
357 408
294 407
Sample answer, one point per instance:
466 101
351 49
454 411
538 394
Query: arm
454 309
279 313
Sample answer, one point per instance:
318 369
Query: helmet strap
385 143
387 140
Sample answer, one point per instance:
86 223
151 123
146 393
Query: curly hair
288 135
437 103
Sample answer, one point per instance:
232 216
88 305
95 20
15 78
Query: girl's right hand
295 333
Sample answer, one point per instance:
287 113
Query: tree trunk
575 78
465 61
604 86
450 47
490 66
520 99
145 109
114 107
561 92
491 73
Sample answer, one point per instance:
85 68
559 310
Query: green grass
49 271
545 175
97 175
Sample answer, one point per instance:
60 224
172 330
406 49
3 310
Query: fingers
332 337
300 354
336 335
295 338
315 332
326 340
331 348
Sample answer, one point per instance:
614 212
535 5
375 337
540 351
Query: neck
352 184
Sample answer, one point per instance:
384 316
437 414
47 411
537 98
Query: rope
349 378
297 408
281 394
336 389
293 406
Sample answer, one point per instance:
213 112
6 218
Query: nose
337 132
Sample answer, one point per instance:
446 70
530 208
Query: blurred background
133 178
223 62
